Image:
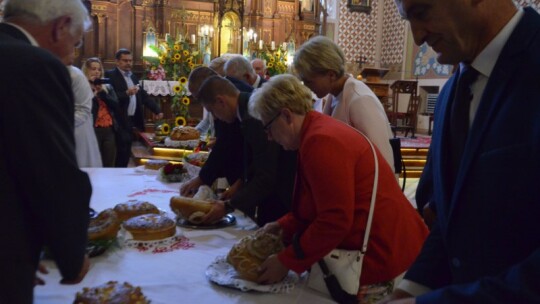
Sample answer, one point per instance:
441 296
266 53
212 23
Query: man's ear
61 28
287 114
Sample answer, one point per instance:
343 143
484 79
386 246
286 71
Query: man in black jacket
131 99
44 196
266 172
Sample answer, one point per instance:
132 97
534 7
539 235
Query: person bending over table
267 171
332 194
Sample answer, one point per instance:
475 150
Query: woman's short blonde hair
281 91
88 62
318 56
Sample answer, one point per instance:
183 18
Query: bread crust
134 208
184 133
189 208
149 227
111 292
104 226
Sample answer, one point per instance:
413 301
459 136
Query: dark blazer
485 244
242 150
44 196
143 99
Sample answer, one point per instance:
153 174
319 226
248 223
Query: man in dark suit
131 99
484 246
44 196
263 187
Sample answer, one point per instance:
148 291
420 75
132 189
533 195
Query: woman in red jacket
332 194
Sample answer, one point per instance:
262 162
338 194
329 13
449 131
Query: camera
99 81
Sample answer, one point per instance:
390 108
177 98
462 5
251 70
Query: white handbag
346 265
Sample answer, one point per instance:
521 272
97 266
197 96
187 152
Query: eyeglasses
269 123
79 44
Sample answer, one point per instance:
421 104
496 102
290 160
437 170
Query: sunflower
278 55
182 80
164 128
189 60
162 61
173 60
272 59
177 89
270 65
186 101
186 53
176 47
179 121
177 56
191 65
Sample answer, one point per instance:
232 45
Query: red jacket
332 199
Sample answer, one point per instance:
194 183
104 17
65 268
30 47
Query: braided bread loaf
251 251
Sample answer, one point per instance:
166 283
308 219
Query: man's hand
229 193
43 270
189 188
82 273
132 91
272 271
215 214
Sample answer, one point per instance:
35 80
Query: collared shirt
132 98
29 36
257 82
484 64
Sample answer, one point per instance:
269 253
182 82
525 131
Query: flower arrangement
175 61
276 61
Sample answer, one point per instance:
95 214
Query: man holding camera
131 99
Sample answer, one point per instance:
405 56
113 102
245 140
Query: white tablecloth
171 277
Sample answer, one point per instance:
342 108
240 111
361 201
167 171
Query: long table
176 276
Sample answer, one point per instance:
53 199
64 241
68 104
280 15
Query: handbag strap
373 195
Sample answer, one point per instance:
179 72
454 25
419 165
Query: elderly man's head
56 25
240 68
259 66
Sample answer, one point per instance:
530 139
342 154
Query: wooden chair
404 121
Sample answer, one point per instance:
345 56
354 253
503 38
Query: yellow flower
176 47
186 101
272 59
270 65
278 55
164 128
162 61
177 89
177 56
180 121
191 65
173 60
182 80
186 53
189 60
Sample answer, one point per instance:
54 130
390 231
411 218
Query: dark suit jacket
242 150
120 87
44 196
485 245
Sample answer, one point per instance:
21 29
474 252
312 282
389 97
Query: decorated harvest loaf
104 227
184 133
251 251
149 227
134 208
189 208
111 292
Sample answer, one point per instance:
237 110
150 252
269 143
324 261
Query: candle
273 45
211 32
192 38
255 37
284 45
260 44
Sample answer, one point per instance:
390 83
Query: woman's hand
272 227
272 271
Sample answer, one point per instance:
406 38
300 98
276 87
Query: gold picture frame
363 6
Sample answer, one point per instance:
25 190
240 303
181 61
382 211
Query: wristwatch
228 207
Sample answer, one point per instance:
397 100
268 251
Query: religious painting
363 6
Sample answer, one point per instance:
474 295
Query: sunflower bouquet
276 61
175 61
